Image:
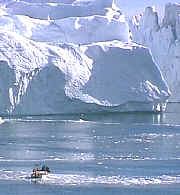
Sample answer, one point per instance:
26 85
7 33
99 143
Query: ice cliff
73 62
163 39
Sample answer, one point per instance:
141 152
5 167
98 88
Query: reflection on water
134 117
129 118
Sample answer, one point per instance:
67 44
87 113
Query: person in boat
37 173
45 168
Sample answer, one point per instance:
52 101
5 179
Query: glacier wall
74 64
163 39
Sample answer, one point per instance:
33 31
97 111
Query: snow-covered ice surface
163 39
56 9
76 60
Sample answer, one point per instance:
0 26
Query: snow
163 39
75 61
78 30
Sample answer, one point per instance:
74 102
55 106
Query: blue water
129 154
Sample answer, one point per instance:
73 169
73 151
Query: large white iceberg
45 69
163 39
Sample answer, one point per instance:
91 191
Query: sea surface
94 154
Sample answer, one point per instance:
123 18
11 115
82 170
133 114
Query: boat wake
78 180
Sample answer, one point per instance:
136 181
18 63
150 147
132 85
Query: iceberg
163 40
74 64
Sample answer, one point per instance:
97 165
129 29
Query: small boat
39 174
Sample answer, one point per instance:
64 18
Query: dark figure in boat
38 173
45 168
